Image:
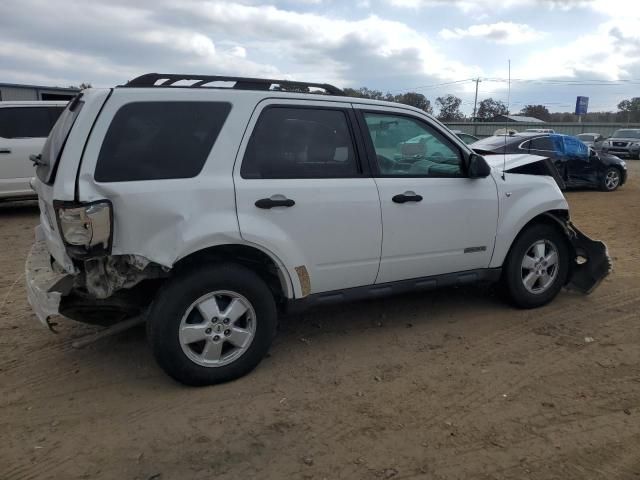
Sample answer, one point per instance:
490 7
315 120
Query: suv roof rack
241 83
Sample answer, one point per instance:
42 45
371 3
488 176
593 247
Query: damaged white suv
208 205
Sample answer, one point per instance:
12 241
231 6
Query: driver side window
406 147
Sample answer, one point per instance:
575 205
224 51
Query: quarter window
28 122
159 140
300 143
407 147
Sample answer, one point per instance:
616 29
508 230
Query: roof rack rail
241 83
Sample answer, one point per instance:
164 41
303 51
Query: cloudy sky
558 48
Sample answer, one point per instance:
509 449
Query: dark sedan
578 165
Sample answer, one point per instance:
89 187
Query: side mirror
478 166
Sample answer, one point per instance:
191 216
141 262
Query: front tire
611 179
212 324
536 267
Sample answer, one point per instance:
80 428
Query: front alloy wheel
537 266
611 179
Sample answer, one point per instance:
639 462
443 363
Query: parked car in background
465 137
624 142
24 127
593 140
578 165
279 200
540 130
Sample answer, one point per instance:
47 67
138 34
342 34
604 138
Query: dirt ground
451 384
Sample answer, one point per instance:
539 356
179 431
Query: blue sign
581 105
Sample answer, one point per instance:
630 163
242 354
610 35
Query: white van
24 127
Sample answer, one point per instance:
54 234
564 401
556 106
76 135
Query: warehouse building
14 91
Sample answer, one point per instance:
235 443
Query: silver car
624 142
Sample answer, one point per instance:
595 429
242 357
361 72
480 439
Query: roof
40 87
522 118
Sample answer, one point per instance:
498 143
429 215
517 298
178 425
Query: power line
434 85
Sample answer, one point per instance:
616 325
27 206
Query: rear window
28 122
496 143
56 140
159 140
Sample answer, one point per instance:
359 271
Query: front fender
522 198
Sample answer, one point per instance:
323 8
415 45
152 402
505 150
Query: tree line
448 107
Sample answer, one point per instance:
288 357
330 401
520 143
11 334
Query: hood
511 161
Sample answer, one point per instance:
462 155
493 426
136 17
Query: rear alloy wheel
611 179
537 266
212 324
217 328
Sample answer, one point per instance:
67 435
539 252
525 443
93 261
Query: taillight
86 229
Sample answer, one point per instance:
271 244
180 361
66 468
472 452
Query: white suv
24 126
209 208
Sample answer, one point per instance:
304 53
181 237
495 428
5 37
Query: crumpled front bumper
44 286
592 262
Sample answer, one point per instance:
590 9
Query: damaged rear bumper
45 287
591 262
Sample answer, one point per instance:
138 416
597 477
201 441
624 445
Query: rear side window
300 143
159 140
542 143
28 122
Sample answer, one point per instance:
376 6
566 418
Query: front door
435 219
304 193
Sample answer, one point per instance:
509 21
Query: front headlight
606 143
85 228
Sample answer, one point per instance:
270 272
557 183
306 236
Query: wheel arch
267 265
555 218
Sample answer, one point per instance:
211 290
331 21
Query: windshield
626 134
56 140
586 137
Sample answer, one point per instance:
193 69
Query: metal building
14 91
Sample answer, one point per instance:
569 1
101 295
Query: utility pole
475 101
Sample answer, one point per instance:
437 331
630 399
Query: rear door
304 193
23 130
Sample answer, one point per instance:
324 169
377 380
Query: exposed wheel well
250 257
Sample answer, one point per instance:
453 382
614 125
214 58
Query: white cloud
501 32
468 6
611 52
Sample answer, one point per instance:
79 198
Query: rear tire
611 179
536 267
212 324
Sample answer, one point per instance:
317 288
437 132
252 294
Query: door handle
407 197
5 150
267 203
